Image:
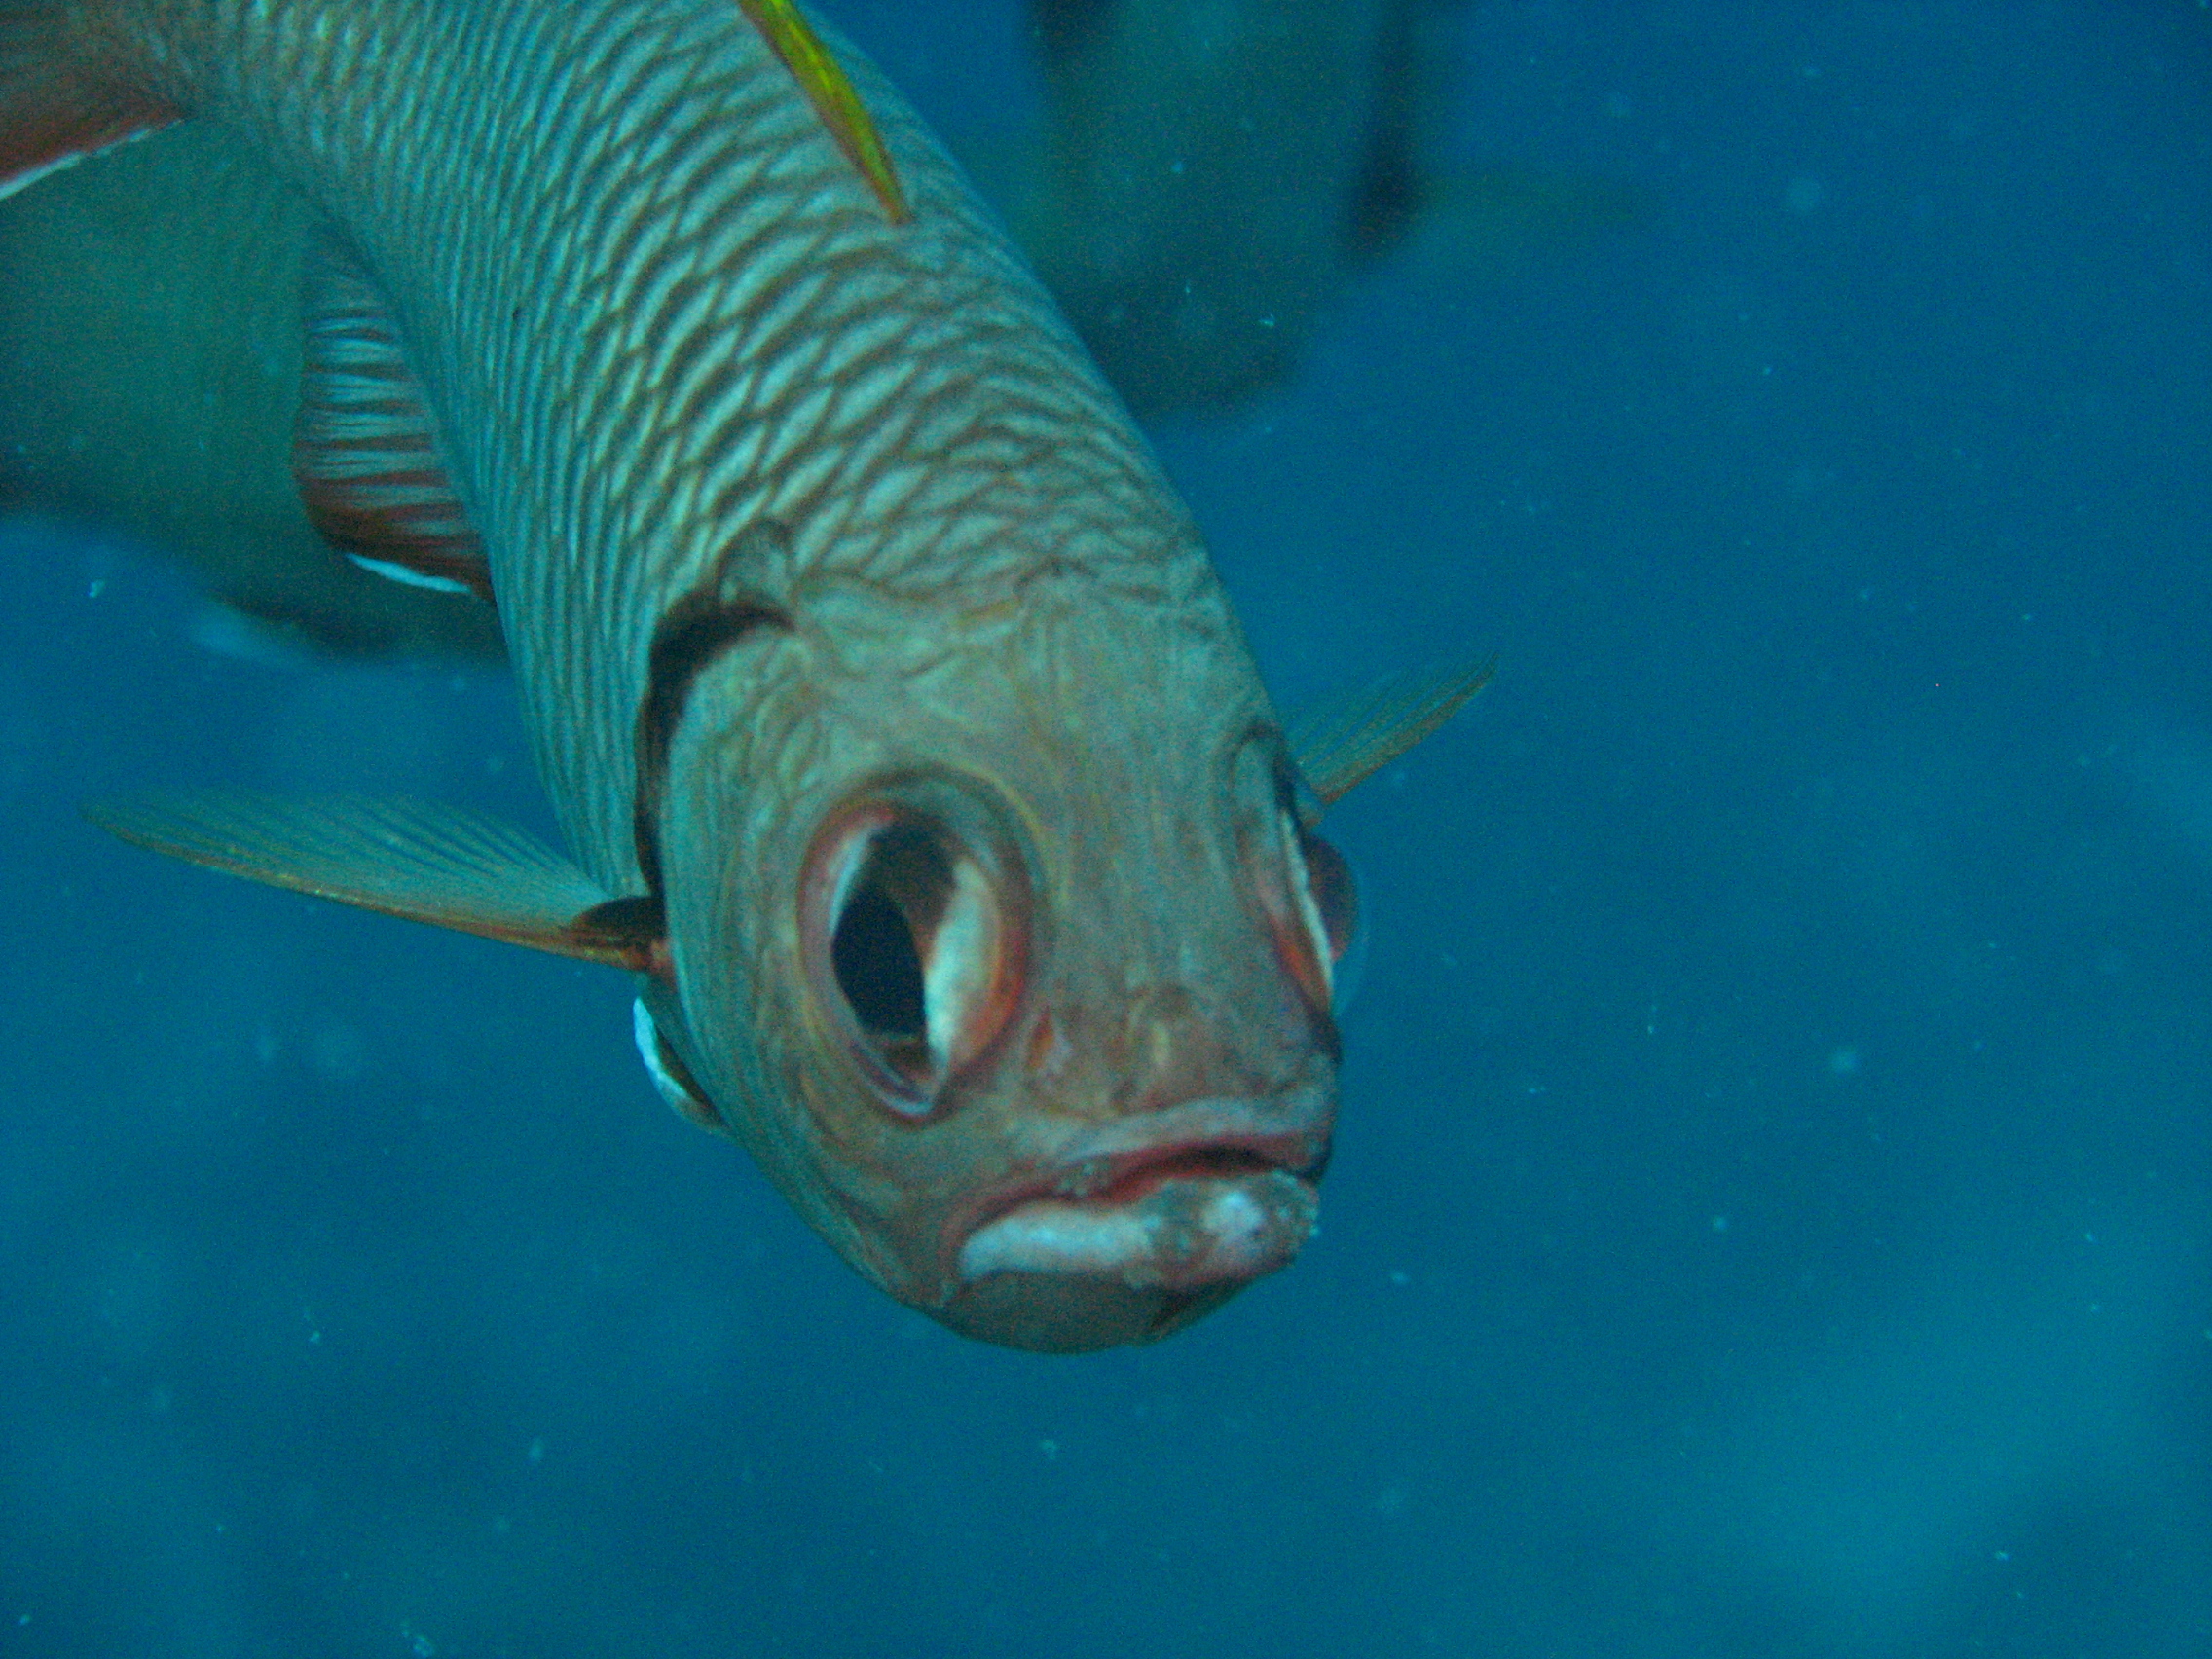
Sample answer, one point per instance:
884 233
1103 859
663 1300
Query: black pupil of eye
878 967
877 951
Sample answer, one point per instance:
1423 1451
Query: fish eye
913 927
1304 886
1325 901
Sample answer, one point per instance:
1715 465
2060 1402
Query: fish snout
1165 1045
1171 1047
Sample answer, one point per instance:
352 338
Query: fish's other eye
1300 886
1325 901
913 944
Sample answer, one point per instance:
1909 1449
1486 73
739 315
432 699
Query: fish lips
1137 1227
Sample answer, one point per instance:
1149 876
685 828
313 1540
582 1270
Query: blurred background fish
1210 176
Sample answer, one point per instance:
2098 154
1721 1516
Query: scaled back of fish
904 744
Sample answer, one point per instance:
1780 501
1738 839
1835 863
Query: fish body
903 740
1202 183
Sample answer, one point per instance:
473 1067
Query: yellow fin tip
827 87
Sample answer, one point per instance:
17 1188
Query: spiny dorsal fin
1341 742
827 87
429 863
366 449
60 102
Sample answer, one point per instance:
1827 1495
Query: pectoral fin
429 863
1341 742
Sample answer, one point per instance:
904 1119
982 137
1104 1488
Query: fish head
1011 963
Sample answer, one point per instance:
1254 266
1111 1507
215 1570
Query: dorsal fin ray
1341 742
828 90
440 864
365 451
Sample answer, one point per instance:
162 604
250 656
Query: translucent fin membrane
429 863
365 451
1341 742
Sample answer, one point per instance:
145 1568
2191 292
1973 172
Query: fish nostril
1175 1045
1158 1032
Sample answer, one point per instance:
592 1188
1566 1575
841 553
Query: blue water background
1773 1210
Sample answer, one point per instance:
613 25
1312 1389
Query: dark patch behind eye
695 631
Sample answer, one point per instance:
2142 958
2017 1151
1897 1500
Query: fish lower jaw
1186 1234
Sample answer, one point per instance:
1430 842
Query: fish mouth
1200 1198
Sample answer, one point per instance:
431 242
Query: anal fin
60 102
365 452
427 863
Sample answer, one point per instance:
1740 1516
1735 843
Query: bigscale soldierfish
906 744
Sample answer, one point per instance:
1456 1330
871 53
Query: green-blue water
1773 1210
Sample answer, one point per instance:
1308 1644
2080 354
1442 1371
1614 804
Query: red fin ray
366 453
